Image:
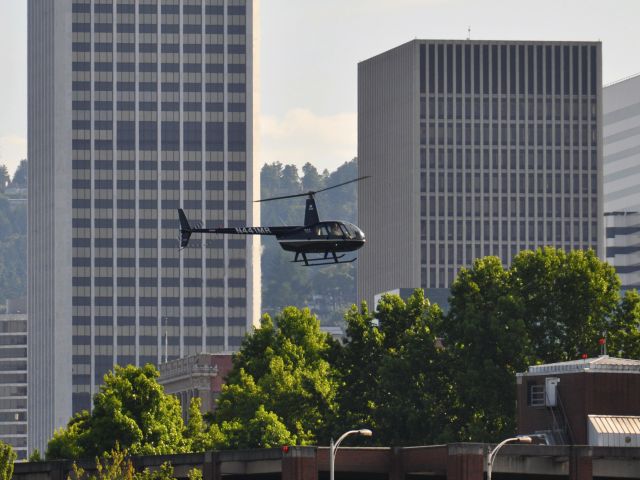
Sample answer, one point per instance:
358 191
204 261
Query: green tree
623 332
7 457
394 374
4 178
281 389
13 244
549 306
567 300
311 179
20 175
488 341
130 410
116 465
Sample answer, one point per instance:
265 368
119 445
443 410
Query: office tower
621 124
13 377
475 148
136 107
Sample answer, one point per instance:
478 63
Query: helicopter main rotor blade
312 192
284 196
341 184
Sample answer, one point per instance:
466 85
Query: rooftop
603 363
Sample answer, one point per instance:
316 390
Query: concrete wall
459 461
388 151
49 221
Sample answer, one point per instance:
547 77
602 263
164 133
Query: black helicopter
328 239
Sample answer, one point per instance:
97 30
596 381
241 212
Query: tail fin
185 229
311 212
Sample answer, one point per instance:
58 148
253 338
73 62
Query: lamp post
333 448
492 453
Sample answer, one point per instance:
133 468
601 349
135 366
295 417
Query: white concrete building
136 108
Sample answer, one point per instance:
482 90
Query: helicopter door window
334 230
321 231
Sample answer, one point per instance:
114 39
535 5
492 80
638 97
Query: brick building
558 398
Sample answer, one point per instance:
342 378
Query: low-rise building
592 401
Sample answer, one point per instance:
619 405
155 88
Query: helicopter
314 243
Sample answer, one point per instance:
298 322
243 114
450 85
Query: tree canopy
7 457
282 386
132 411
13 249
405 370
393 372
549 306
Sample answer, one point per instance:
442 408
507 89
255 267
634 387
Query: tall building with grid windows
136 107
475 148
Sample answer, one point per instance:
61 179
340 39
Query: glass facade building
476 148
151 109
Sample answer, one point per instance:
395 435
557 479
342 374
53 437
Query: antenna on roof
469 32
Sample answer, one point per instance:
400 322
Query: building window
535 395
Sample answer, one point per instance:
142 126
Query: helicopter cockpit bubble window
345 231
352 230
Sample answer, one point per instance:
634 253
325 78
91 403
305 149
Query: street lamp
365 432
492 453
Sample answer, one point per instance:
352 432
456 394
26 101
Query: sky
309 51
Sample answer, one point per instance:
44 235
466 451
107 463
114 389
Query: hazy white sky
310 50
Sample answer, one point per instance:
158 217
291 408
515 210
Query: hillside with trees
13 234
328 290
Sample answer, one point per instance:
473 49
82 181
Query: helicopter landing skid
325 260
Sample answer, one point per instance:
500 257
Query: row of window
192 139
540 108
504 159
504 134
175 262
496 230
149 324
153 67
122 86
532 69
159 281
505 207
82 7
123 106
467 182
127 47
82 27
164 301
